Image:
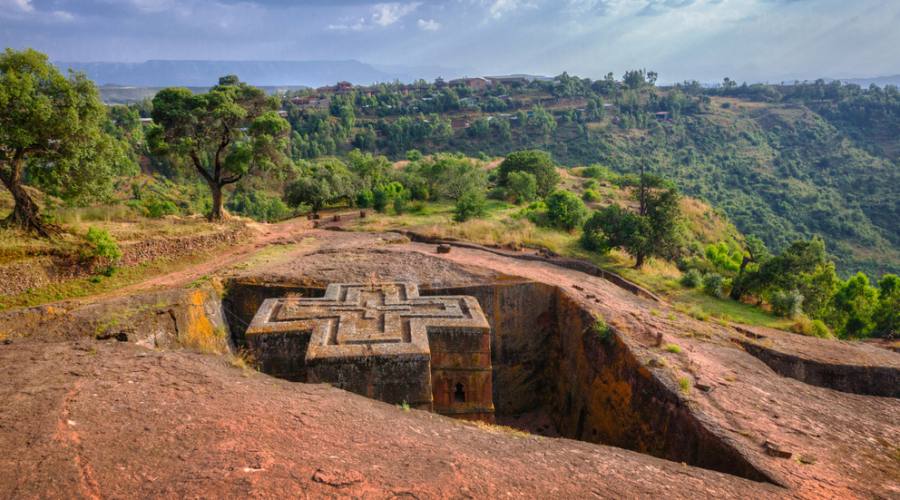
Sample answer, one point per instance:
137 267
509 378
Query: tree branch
199 166
231 180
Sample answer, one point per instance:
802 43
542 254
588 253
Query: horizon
704 40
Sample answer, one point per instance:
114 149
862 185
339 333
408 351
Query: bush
590 195
590 184
380 200
157 208
819 329
400 203
537 163
365 199
692 278
258 206
787 304
714 284
413 155
565 210
470 205
521 187
102 246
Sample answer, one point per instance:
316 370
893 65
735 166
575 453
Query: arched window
460 394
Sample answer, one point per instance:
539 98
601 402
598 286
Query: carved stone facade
383 341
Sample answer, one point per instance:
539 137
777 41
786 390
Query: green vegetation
565 210
52 134
603 331
229 133
673 348
805 171
103 247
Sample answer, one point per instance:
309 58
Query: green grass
673 348
91 285
684 384
500 227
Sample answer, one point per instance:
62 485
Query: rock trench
554 374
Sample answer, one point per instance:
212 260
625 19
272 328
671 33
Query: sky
706 40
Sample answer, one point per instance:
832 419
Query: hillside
783 163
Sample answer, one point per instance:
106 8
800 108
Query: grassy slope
503 227
779 171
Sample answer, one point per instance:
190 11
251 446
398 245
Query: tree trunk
25 212
216 214
639 261
737 288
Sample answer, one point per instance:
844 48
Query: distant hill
164 73
881 81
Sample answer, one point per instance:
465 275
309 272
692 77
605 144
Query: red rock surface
106 419
114 420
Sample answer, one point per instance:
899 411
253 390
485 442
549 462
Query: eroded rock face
383 341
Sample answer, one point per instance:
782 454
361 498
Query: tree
853 307
229 133
755 252
326 181
657 233
522 186
663 213
887 315
613 227
471 204
451 176
537 163
51 132
635 79
565 210
790 270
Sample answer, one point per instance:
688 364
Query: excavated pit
553 375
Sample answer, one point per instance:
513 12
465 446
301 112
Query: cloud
15 6
381 15
657 7
500 8
428 25
386 14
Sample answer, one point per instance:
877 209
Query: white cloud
16 5
428 25
381 15
386 14
498 8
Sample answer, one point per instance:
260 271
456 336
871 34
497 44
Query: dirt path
289 231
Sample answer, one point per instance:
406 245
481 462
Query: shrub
380 200
258 206
673 348
400 203
103 247
470 205
684 384
787 304
603 331
590 195
413 155
365 198
157 208
537 163
565 210
714 285
590 184
521 186
819 329
692 278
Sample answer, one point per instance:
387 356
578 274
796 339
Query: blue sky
757 40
